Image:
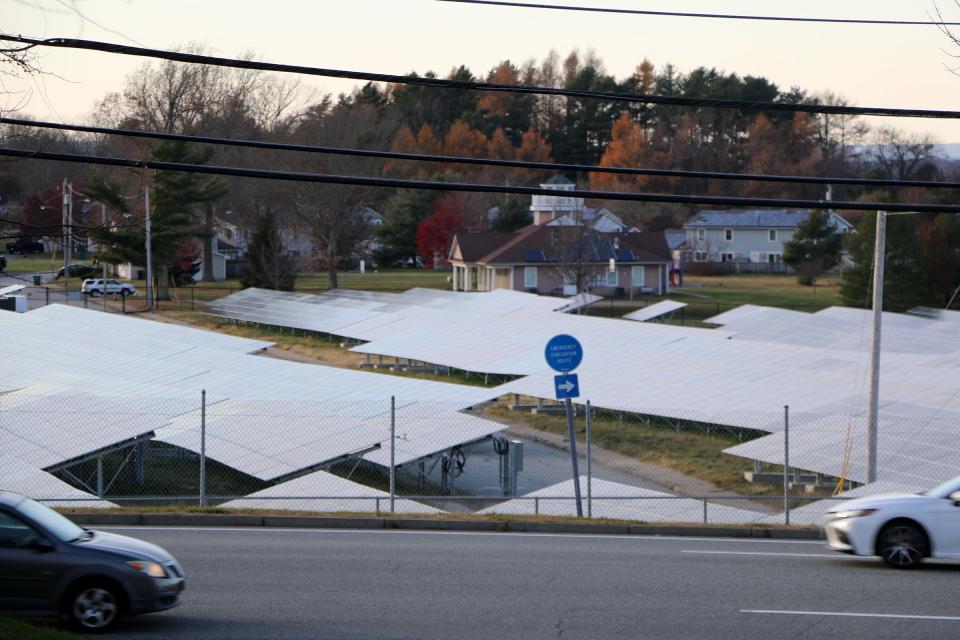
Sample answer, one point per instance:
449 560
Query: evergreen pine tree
268 266
902 281
815 248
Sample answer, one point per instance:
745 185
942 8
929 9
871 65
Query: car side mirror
955 496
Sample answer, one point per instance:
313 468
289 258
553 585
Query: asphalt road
316 584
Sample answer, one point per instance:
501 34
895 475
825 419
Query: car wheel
94 293
94 607
902 545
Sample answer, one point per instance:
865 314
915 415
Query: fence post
786 464
393 453
203 448
589 420
704 511
46 291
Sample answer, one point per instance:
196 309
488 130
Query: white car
99 286
901 528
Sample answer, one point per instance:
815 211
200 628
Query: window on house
726 257
530 277
701 234
774 258
637 276
772 234
612 279
728 235
700 256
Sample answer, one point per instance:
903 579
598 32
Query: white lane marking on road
832 556
846 614
457 533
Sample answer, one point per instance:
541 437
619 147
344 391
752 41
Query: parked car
24 246
76 271
901 528
99 286
51 566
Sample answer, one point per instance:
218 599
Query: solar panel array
507 328
741 375
74 377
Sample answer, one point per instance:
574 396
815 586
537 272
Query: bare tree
902 155
575 252
838 137
335 212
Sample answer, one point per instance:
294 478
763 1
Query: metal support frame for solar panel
468 443
322 466
66 464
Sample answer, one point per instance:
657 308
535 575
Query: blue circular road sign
563 353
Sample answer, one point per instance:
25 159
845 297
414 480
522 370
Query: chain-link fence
509 457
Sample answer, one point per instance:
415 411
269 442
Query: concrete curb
414 524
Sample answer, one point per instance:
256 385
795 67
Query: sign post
564 354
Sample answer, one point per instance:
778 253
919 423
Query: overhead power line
492 162
682 101
394 183
718 16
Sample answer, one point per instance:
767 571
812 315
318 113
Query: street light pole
146 192
874 401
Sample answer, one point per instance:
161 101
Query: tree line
212 101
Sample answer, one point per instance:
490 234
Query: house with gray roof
750 240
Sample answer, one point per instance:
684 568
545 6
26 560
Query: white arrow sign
567 386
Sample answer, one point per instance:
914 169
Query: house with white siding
747 240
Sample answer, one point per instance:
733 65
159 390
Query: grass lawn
382 280
707 296
36 264
11 629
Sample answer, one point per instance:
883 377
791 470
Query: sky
890 66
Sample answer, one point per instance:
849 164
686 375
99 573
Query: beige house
559 251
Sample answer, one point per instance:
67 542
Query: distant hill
950 151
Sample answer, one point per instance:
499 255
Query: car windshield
945 489
50 520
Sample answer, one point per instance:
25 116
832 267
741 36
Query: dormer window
772 235
728 235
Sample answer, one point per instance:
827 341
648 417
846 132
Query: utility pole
146 199
103 221
874 401
67 232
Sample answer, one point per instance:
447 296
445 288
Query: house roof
541 244
474 246
749 218
675 238
559 179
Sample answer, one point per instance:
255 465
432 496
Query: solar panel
534 255
322 491
22 478
625 255
622 502
654 311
